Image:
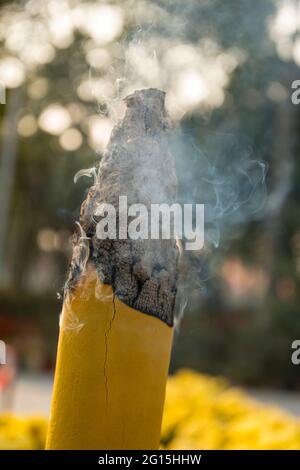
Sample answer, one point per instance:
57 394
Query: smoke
166 48
175 46
163 49
224 175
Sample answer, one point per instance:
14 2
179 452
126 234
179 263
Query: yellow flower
22 433
200 412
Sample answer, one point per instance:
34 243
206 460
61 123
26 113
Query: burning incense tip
137 164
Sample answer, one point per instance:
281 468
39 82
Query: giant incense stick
116 328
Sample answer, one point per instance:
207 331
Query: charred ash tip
137 163
149 97
148 106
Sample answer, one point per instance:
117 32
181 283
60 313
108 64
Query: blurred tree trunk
7 173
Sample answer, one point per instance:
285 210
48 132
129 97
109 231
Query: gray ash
136 164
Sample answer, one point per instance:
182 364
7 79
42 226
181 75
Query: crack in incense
106 349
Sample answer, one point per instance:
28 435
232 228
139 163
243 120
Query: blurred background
227 68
